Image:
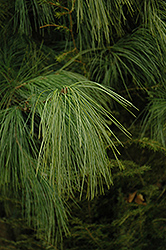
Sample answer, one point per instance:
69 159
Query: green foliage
18 151
155 116
114 222
133 58
24 11
73 131
54 135
62 127
102 19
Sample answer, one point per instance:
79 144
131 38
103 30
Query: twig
58 5
70 18
23 84
55 25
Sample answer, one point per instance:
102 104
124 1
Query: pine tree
65 66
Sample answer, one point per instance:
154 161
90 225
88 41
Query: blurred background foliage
70 70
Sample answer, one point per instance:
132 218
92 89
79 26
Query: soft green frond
99 21
155 119
134 58
18 161
25 10
43 208
73 130
154 18
20 60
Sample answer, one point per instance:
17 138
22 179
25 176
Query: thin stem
55 25
70 18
